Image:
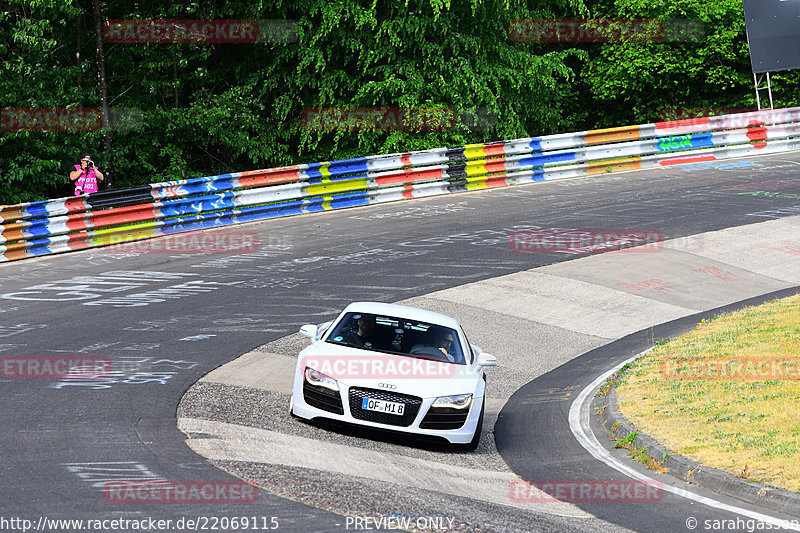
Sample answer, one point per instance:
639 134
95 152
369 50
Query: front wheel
472 445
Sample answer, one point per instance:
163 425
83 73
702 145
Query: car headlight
459 401
317 378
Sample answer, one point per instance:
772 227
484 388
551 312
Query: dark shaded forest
448 72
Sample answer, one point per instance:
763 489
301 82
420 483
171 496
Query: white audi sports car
394 368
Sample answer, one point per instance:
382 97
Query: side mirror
323 328
476 349
486 359
310 331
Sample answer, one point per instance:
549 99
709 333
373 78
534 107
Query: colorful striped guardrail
109 217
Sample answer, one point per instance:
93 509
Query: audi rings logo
387 386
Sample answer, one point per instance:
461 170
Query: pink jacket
87 182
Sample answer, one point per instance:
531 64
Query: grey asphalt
165 321
537 323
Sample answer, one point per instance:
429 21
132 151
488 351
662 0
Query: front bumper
415 420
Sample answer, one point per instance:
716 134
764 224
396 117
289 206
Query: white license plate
382 406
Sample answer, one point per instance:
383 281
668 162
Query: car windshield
399 336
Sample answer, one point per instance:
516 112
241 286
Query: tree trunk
101 78
78 56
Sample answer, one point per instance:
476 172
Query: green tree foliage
201 109
36 70
217 108
636 82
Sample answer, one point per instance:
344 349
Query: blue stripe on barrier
352 202
261 212
314 173
38 230
223 183
193 223
685 142
195 217
39 247
315 204
351 166
539 160
196 204
37 209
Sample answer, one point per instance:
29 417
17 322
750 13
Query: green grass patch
726 394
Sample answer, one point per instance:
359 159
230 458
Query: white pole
758 100
769 88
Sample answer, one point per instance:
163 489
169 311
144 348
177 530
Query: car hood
396 373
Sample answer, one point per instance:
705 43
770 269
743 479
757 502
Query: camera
90 164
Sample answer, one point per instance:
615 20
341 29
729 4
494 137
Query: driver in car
362 335
441 347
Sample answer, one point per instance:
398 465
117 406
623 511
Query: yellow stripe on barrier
324 169
474 151
124 234
476 185
476 169
328 186
486 182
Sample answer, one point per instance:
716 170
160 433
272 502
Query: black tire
472 445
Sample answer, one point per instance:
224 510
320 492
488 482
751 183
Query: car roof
402 311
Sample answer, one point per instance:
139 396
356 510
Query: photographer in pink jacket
86 176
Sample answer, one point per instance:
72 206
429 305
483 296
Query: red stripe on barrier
685 160
493 150
289 175
123 215
77 205
79 241
19 211
756 134
408 191
407 176
496 182
78 222
496 166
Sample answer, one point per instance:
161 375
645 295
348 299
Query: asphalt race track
166 320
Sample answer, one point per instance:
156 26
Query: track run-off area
556 319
